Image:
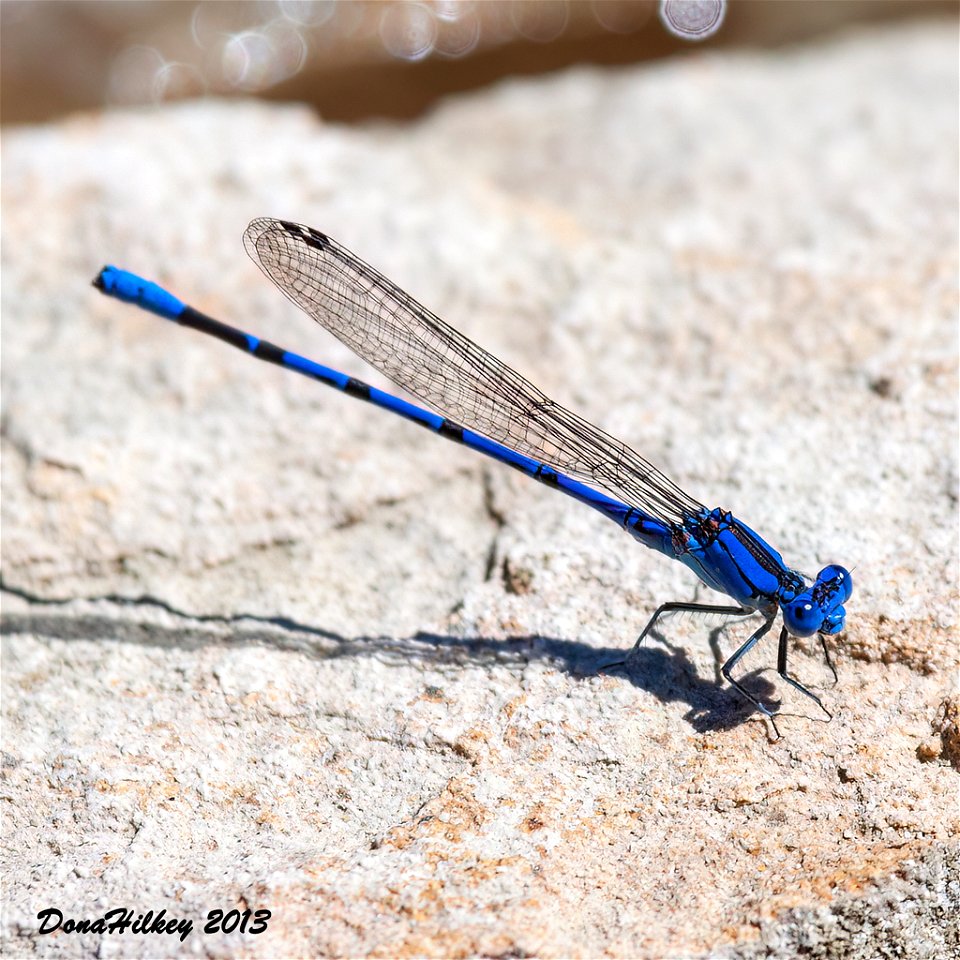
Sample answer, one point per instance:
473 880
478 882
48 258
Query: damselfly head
819 609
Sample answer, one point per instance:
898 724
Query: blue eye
802 618
838 580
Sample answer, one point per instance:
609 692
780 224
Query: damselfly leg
722 609
782 670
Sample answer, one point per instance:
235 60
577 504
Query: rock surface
268 648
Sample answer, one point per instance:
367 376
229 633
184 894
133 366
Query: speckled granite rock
266 648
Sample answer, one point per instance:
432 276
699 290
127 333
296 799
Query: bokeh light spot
458 36
306 13
176 81
133 75
540 20
408 30
255 59
692 19
246 60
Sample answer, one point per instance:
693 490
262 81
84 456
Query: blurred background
356 59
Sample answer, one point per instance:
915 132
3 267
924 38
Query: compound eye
802 617
838 579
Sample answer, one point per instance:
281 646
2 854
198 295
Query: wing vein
444 369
